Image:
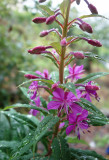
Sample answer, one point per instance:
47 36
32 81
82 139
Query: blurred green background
18 34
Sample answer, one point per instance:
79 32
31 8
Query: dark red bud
50 19
78 55
41 1
63 42
86 27
94 43
29 76
92 9
39 20
37 50
91 87
44 33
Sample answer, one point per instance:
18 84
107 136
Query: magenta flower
75 72
38 104
44 75
77 122
89 91
33 89
62 100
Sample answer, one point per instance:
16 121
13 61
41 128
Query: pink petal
53 105
69 129
83 125
58 93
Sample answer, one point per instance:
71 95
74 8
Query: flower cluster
65 103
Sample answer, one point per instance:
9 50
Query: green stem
63 50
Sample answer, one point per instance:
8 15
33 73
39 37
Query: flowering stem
63 50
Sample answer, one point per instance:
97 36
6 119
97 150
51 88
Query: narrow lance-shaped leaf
92 55
46 9
60 149
43 110
86 154
34 137
91 77
90 107
25 92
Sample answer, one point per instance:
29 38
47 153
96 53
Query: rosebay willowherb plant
68 109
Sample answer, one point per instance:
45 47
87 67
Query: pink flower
62 100
77 121
37 103
45 74
33 89
75 72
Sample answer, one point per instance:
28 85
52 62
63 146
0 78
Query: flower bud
86 27
50 19
94 43
54 86
30 76
78 55
92 9
43 33
63 42
39 20
78 1
37 50
92 87
41 1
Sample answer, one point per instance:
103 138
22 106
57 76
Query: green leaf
70 86
97 118
52 59
93 15
55 76
25 92
92 55
46 9
44 111
60 149
90 107
91 77
86 154
63 7
46 81
28 120
75 140
57 47
8 144
34 137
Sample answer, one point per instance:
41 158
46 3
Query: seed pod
92 9
41 1
39 20
50 19
30 76
86 27
37 50
78 55
92 87
43 33
94 42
